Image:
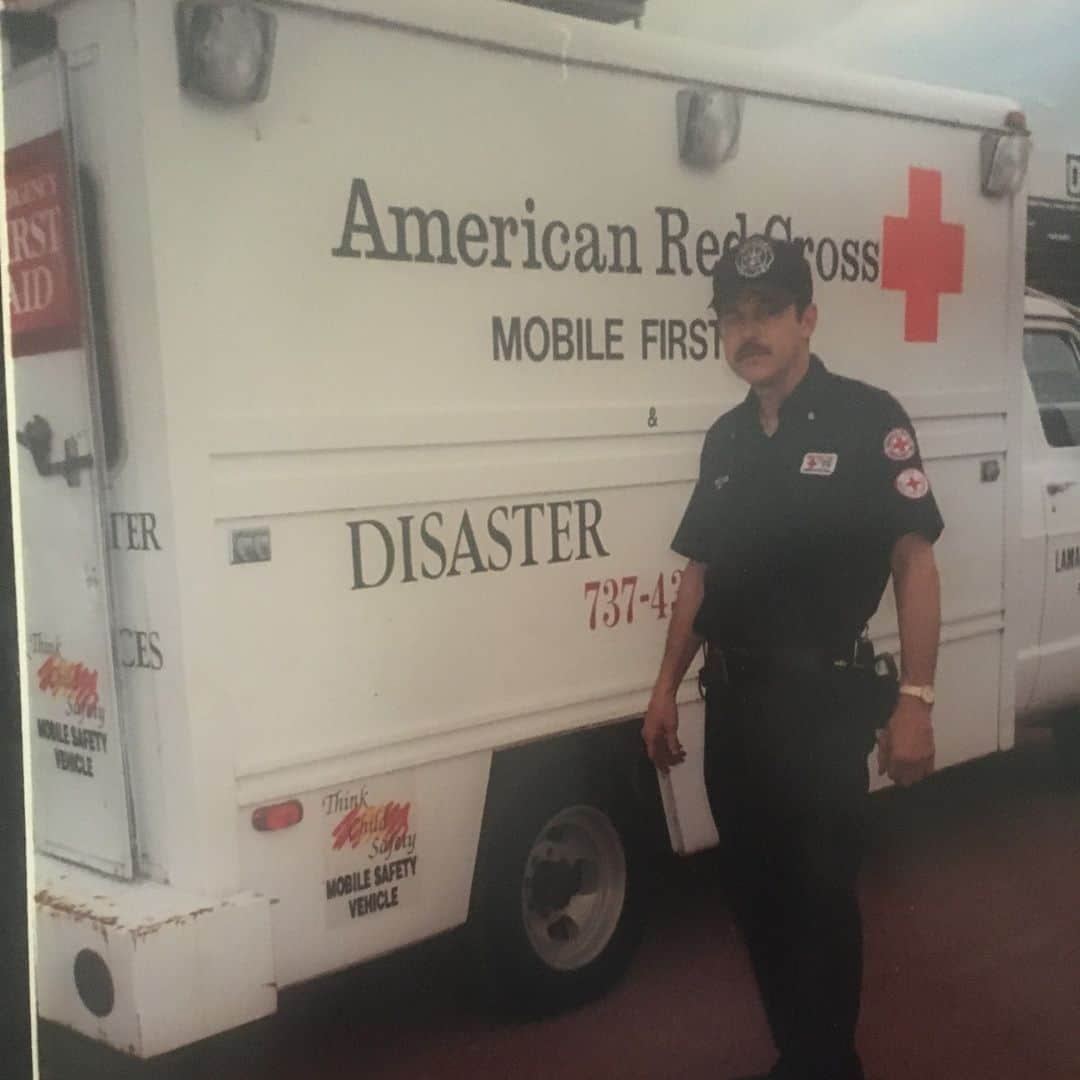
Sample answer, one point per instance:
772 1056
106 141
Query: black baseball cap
761 264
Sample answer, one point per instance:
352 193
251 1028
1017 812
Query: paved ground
972 900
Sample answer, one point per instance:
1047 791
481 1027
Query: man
811 493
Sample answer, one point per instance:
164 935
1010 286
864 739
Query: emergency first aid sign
45 313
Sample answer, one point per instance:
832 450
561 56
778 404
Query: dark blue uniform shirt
797 529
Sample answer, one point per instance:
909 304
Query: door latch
37 437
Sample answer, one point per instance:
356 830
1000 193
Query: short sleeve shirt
797 529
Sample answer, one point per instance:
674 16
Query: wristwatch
924 693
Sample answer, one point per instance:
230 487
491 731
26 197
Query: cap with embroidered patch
761 264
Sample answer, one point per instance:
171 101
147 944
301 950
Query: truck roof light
1003 156
226 49
708 122
277 816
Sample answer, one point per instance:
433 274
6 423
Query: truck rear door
81 799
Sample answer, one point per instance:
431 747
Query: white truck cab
360 362
1048 666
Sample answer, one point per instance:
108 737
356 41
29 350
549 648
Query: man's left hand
905 748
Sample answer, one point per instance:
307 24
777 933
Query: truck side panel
404 477
433 331
463 524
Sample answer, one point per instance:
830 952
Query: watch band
924 693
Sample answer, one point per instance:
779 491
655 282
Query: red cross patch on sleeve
899 445
912 484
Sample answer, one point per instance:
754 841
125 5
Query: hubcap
574 887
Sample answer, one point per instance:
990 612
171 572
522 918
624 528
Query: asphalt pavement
971 899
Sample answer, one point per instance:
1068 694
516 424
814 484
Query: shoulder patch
912 484
899 445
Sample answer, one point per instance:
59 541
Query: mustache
750 348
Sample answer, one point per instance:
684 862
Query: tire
1067 745
562 905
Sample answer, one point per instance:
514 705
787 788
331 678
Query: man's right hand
660 730
661 727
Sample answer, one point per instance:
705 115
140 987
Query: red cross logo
818 464
899 445
912 484
922 255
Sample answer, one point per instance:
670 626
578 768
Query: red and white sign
912 484
45 310
371 861
922 255
818 464
899 445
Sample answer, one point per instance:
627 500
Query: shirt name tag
818 464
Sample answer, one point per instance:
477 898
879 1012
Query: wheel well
609 762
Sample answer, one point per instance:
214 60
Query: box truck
360 361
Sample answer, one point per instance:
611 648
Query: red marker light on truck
278 816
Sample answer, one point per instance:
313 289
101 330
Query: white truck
1048 612
360 365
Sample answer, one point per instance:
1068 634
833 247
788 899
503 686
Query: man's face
764 337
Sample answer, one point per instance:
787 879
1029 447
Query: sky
1029 51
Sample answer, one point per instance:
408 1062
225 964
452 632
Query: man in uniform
810 494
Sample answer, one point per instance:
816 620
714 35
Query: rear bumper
146 968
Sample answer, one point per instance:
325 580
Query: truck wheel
1067 745
562 910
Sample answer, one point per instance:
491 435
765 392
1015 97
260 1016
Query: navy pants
788 779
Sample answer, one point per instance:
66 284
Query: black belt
732 664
